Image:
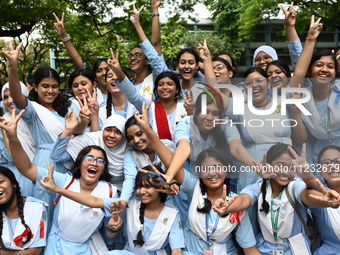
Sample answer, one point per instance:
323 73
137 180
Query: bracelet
66 39
310 39
155 14
112 231
179 186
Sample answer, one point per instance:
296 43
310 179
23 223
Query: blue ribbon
337 97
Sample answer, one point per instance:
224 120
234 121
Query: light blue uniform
195 244
254 191
55 244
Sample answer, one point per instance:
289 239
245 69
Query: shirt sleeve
244 232
253 191
188 185
130 172
298 187
59 152
295 49
183 130
156 61
176 237
29 114
131 93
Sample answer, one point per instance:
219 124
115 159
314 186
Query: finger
112 54
224 192
264 159
117 54
62 18
17 118
205 43
295 155
283 9
19 47
80 102
291 6
318 21
95 93
303 152
134 7
232 200
321 187
318 198
56 17
154 169
186 94
50 169
140 9
312 20
143 171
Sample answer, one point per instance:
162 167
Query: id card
277 250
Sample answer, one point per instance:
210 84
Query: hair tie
141 227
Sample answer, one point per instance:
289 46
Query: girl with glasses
89 177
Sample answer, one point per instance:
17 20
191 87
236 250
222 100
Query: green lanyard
275 218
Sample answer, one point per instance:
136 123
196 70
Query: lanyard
207 226
155 160
275 218
328 126
125 108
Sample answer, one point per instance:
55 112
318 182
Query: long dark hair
282 65
106 176
223 158
323 53
273 153
217 131
16 188
141 180
88 73
61 103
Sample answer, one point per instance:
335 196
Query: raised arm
14 84
155 27
307 53
20 158
66 39
91 201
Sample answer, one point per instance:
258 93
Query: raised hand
47 181
143 119
71 121
203 51
315 28
221 205
331 197
85 114
92 102
118 207
10 126
12 55
300 162
59 25
264 169
290 14
155 3
135 14
113 63
189 102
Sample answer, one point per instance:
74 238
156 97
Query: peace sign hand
290 14
221 205
12 54
264 169
189 103
59 25
331 197
47 181
315 28
300 163
203 51
10 126
92 102
143 119
113 63
118 207
135 15
71 121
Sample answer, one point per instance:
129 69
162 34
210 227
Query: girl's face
80 85
8 100
262 60
187 66
110 78
323 70
330 165
137 59
48 90
166 89
277 78
100 73
6 189
283 167
92 166
112 136
259 85
212 174
147 193
205 122
137 138
222 73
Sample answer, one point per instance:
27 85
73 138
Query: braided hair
16 188
223 158
141 180
273 153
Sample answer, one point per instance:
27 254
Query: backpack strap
67 187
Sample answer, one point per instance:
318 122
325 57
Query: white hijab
24 134
115 154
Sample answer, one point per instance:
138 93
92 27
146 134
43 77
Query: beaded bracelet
66 39
155 14
310 39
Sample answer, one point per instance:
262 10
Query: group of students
76 178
